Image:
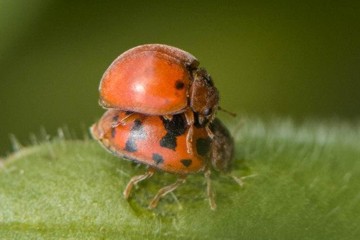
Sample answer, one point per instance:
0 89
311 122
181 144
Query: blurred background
298 59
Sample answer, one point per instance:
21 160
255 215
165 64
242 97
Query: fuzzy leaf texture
307 186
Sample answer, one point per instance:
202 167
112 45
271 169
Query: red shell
151 79
154 141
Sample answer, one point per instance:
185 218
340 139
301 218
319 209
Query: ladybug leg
189 115
104 125
136 179
122 121
189 139
240 180
168 117
209 132
165 190
209 191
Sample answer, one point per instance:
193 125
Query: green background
288 58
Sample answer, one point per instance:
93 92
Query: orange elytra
161 144
157 79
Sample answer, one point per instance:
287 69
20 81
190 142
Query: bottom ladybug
161 144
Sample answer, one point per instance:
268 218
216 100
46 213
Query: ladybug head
204 97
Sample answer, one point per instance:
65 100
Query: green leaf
307 186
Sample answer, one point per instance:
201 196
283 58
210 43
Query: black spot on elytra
186 162
168 141
113 132
130 146
137 132
157 158
203 146
174 127
179 85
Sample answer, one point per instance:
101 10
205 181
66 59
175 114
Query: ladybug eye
207 111
209 80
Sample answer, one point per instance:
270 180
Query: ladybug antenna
228 112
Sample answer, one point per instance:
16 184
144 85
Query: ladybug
160 143
157 79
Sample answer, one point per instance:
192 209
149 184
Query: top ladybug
156 79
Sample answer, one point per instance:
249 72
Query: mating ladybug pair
161 113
